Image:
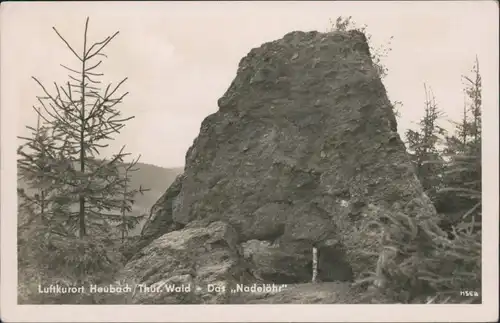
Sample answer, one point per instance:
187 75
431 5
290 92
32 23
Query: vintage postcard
249 161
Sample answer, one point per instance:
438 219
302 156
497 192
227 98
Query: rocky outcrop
160 218
303 147
169 270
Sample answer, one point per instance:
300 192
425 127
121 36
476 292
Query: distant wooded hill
155 178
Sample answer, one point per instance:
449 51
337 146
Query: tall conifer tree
84 115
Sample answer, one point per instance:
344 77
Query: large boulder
303 147
160 219
190 260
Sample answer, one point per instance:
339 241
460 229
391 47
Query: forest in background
76 209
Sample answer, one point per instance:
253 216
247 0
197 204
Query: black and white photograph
236 153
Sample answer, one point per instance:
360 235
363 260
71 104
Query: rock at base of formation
303 146
169 270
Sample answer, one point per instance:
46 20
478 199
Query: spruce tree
68 191
84 115
42 200
463 148
38 193
423 145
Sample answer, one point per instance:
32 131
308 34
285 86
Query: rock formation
160 219
190 257
304 144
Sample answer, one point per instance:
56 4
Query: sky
180 57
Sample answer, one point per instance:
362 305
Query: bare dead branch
123 120
91 80
468 79
104 44
94 74
97 44
70 69
67 44
116 101
93 67
74 79
118 86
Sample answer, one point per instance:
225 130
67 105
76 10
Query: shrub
48 258
415 259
